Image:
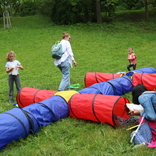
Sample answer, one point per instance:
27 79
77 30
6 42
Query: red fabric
97 107
28 96
96 77
148 80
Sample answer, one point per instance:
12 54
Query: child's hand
20 66
134 112
11 69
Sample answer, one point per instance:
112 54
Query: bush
28 8
46 8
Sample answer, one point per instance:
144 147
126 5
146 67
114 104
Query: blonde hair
130 49
8 54
65 35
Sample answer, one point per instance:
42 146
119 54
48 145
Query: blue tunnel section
117 86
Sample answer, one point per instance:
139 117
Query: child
132 59
13 75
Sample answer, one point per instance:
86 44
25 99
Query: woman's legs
65 69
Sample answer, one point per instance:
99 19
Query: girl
12 67
132 59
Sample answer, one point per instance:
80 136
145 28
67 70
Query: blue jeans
65 69
148 101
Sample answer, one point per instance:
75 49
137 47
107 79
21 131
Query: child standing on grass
132 59
12 67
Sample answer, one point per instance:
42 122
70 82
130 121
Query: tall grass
97 48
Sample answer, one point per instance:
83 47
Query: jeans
65 69
131 65
11 80
148 101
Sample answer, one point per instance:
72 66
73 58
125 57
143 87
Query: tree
98 12
147 2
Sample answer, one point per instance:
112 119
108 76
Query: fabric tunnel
19 122
15 124
98 108
28 95
148 80
149 70
66 94
49 110
117 86
97 77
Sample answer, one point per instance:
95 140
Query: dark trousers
131 65
11 80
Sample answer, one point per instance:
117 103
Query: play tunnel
49 110
15 124
149 70
19 122
148 80
97 77
117 86
98 108
28 95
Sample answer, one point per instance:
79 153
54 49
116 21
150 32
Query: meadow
97 48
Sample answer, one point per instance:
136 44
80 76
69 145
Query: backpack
57 50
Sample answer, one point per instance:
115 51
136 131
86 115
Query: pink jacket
132 58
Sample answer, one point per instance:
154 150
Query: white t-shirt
66 48
13 65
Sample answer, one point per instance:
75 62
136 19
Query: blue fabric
145 70
65 69
13 126
49 110
148 100
117 86
142 70
144 134
18 123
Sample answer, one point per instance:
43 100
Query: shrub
28 8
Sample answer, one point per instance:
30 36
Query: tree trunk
146 9
98 12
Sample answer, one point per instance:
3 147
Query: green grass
97 48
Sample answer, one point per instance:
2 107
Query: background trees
73 11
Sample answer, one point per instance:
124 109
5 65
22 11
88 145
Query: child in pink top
132 59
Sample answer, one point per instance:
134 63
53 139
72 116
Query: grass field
97 48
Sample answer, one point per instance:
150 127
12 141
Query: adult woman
65 62
148 102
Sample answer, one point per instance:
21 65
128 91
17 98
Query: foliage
69 11
28 8
129 5
46 8
109 6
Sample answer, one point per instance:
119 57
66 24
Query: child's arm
8 69
133 57
20 66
